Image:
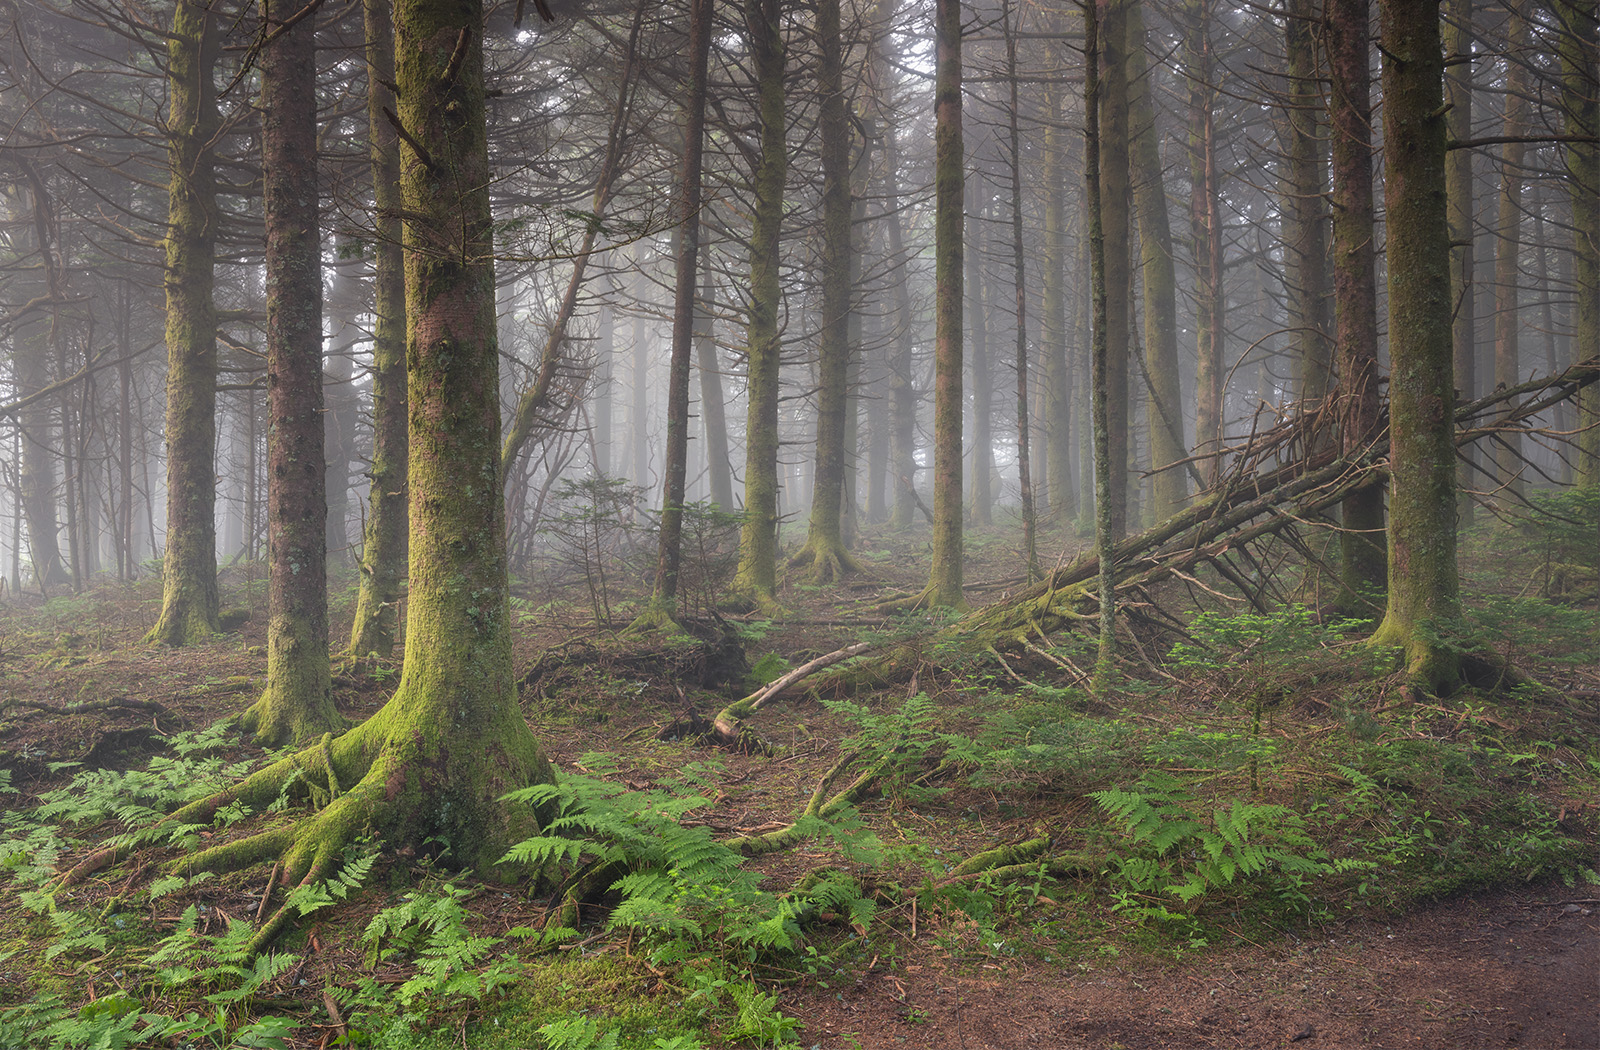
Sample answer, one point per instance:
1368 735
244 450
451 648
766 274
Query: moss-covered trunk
383 546
1305 218
1423 607
1355 289
189 572
297 705
944 580
824 553
453 738
757 576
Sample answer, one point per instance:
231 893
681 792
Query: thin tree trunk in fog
757 576
1355 288
605 352
1060 498
35 345
1106 481
944 581
713 410
1305 231
824 553
1508 249
1460 190
1112 123
669 555
1030 542
297 705
1582 112
385 538
1205 231
125 553
189 573
1164 411
981 486
338 394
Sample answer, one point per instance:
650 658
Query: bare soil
1508 968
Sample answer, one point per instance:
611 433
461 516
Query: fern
1184 854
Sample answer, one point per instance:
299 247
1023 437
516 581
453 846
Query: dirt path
1505 969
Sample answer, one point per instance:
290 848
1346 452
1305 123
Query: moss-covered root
1002 856
657 617
821 805
824 560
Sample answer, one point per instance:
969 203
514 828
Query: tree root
34 708
826 559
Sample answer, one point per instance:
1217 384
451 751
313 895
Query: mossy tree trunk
340 408
1463 229
297 705
980 486
944 581
824 554
383 546
1205 231
189 572
1165 408
1508 251
1580 62
756 579
1424 588
1362 562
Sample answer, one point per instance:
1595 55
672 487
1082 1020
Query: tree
944 582
298 702
670 551
383 542
1508 250
1305 233
1424 604
1115 190
1355 290
428 770
757 576
1459 188
824 552
1581 108
1205 231
189 602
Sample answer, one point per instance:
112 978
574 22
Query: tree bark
1116 226
189 603
944 582
1060 497
1463 230
756 579
1030 542
1355 275
384 538
1580 76
1424 590
824 553
1305 248
1507 257
1205 231
297 705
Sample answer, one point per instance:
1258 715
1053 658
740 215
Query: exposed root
825 560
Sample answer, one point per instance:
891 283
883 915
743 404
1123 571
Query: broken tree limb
725 728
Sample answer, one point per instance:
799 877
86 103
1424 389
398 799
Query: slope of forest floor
1423 872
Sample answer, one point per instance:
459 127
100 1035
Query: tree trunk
340 409
824 553
669 555
757 576
1423 608
1060 498
1170 485
980 495
1030 541
1507 256
384 540
1355 289
1463 229
1107 482
1205 231
944 581
713 410
1117 229
189 573
1582 113
1305 248
297 705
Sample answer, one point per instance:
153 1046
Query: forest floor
1453 904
